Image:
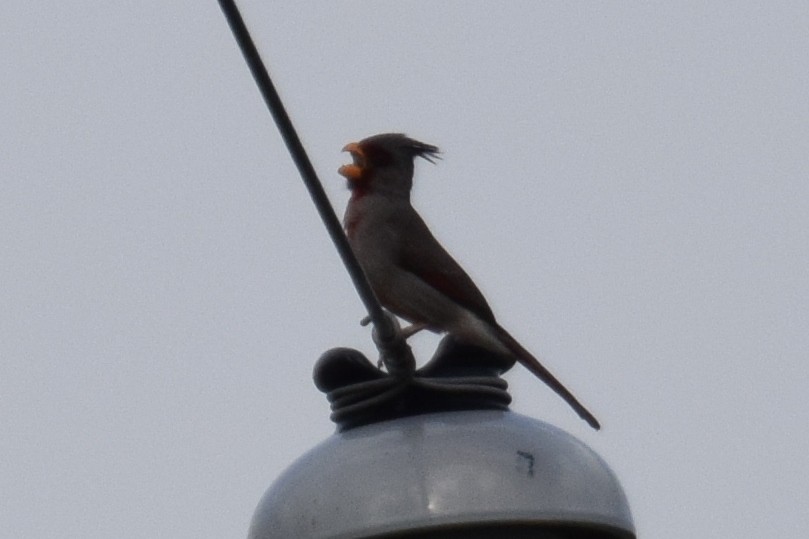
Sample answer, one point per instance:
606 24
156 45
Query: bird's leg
407 332
412 329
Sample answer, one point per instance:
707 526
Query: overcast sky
627 184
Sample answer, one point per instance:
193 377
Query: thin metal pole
388 338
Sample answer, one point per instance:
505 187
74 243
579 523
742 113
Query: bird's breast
370 232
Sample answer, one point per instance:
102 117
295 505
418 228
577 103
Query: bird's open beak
352 147
353 172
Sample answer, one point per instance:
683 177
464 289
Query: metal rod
385 330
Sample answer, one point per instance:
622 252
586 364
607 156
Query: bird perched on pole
409 271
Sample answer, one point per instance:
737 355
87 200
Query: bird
411 274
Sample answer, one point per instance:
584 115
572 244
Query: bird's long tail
532 364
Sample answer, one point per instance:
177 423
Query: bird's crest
428 152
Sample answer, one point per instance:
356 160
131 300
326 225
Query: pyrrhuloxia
409 271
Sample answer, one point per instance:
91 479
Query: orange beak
352 147
353 172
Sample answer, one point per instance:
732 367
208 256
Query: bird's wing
423 256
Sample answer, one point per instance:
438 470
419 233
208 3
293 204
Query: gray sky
627 183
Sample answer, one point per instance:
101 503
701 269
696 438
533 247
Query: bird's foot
395 355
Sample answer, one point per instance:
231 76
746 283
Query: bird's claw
393 358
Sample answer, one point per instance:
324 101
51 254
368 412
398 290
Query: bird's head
384 163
